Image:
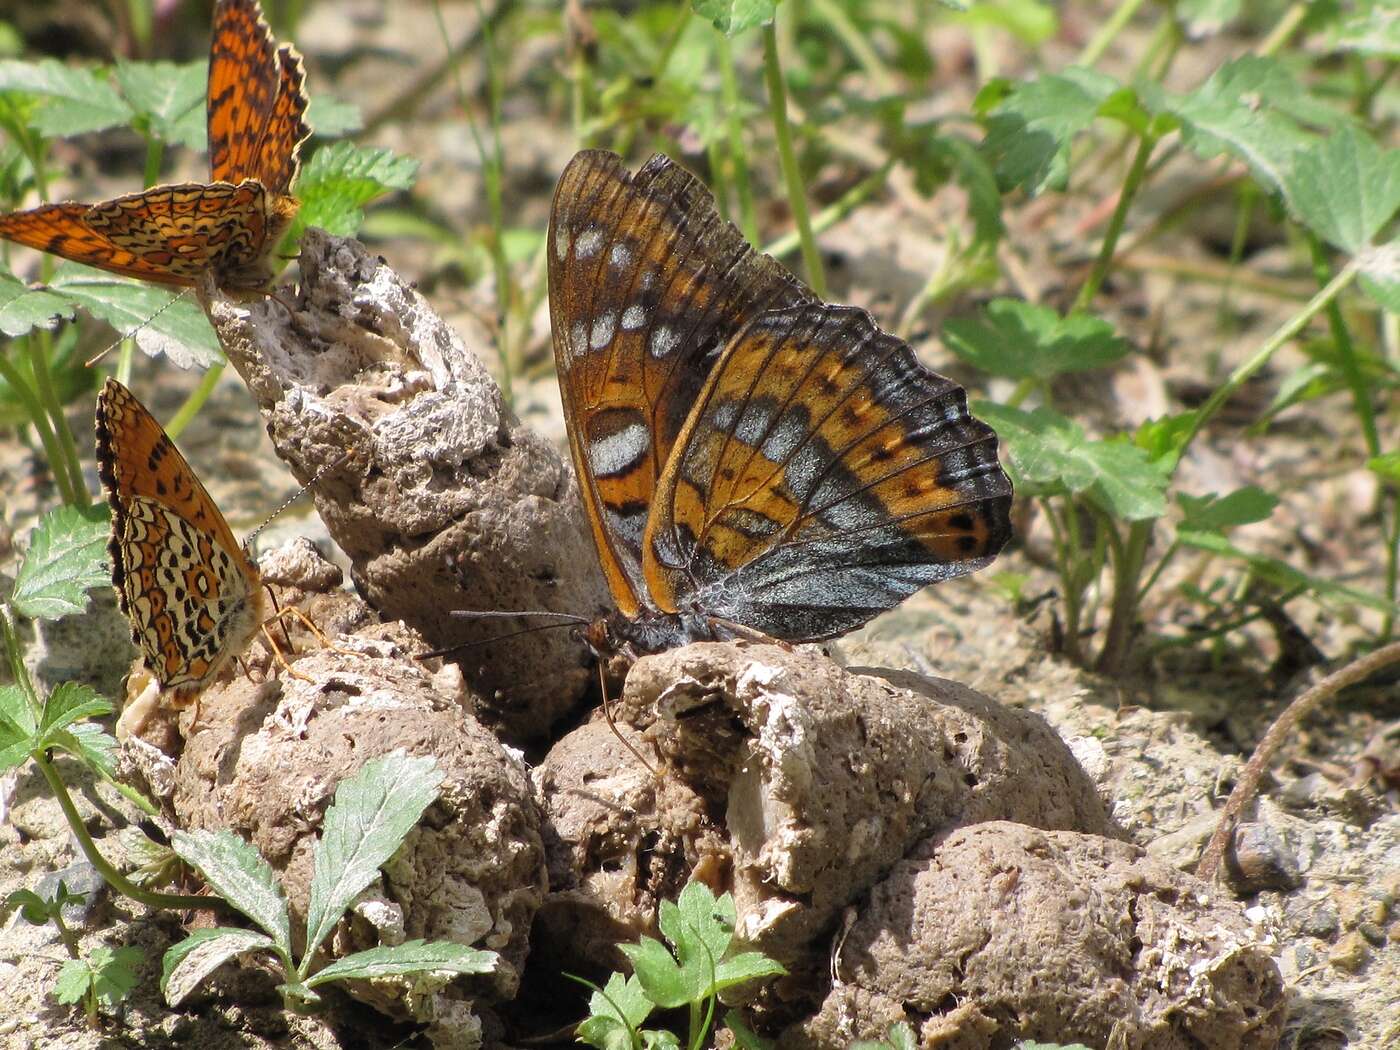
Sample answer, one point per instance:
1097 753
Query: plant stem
195 401
1095 48
792 176
155 152
1131 185
63 461
111 875
9 641
856 42
1346 352
834 212
40 420
1283 29
1123 612
734 128
1260 357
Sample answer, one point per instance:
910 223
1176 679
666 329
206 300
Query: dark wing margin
647 283
245 78
824 476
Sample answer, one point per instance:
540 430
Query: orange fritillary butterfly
190 591
751 459
229 226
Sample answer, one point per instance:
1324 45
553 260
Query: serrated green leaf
237 873
89 742
1052 450
1255 109
656 969
732 17
1162 438
67 555
1214 513
1282 574
19 723
1022 341
1345 188
900 1037
23 308
614 1011
74 100
170 97
363 828
71 702
1030 130
73 981
409 957
188 963
1372 29
341 178
163 321
333 117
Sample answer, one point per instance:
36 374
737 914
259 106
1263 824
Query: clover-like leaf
66 556
1020 340
614 1013
1215 513
170 97
1345 188
732 17
1032 124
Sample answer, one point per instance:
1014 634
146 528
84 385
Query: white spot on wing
633 318
588 242
616 452
663 341
578 338
603 330
621 256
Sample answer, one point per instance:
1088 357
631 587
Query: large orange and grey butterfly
751 459
173 234
192 595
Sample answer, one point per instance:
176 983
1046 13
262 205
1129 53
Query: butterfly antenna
122 338
607 714
248 540
567 620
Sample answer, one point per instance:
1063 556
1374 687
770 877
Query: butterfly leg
292 611
278 655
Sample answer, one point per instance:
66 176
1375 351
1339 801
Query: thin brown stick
607 714
1356 671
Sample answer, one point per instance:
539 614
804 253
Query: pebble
1321 922
1372 933
1261 861
1350 953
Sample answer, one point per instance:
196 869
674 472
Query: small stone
1260 860
1372 933
1350 953
1320 922
1304 958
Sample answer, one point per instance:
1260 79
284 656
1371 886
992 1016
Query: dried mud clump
446 501
264 756
1001 932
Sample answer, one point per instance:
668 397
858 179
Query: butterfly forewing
823 477
63 230
279 155
245 79
647 283
189 590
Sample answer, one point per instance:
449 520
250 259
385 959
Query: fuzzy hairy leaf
186 965
66 556
340 179
1031 126
1345 188
392 960
75 100
237 873
23 308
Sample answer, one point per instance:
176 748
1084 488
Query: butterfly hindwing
279 157
647 283
823 476
189 591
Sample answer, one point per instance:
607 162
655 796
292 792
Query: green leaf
1030 129
23 308
1255 109
363 828
732 17
1380 275
614 1013
164 321
1372 29
744 1037
237 873
71 702
89 742
1282 574
1162 439
67 555
1022 341
1052 450
333 117
1206 17
1345 188
1214 513
75 100
188 963
19 725
110 976
341 178
170 98
900 1037
1386 467
409 957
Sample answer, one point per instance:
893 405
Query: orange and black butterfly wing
64 230
647 283
188 589
823 477
256 100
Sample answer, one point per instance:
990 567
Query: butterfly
190 591
230 226
753 461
